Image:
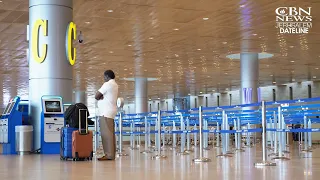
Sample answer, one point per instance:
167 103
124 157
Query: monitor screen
6 109
10 107
53 106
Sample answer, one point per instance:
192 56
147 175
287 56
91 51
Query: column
249 77
50 72
80 97
141 94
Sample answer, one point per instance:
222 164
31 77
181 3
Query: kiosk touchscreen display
53 106
10 107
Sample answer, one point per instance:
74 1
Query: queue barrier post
201 158
120 124
264 138
189 150
159 155
146 136
183 137
280 137
223 137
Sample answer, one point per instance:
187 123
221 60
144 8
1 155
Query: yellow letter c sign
70 36
35 40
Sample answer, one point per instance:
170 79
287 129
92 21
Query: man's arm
101 92
98 96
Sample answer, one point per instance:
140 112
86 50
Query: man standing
107 103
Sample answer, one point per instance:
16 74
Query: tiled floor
141 167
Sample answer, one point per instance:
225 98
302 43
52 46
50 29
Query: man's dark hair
110 74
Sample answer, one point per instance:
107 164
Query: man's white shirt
108 105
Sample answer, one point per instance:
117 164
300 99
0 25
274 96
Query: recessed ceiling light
129 45
271 74
157 60
145 70
291 46
177 55
205 18
242 5
150 37
316 68
199 49
111 52
176 29
225 73
254 34
94 57
110 10
292 61
86 22
224 42
213 90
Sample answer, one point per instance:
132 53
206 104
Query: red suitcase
82 139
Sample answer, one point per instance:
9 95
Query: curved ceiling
183 43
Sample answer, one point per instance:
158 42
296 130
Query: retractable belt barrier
212 124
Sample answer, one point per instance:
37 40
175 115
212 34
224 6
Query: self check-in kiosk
10 118
52 121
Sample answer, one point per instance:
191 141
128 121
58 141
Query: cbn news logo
293 20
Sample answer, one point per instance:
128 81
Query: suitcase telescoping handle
85 112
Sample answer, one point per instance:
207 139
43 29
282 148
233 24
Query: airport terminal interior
208 89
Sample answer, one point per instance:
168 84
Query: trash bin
24 139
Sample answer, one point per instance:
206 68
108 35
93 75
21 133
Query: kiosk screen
10 107
53 106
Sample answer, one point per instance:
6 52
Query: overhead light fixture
314 77
213 90
242 5
86 22
254 34
157 60
110 52
225 73
110 10
199 49
125 69
151 38
292 61
176 29
271 74
129 45
291 46
224 42
317 68
205 18
274 82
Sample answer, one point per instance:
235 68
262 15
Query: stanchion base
273 154
306 151
280 158
223 155
183 153
240 150
199 160
145 152
207 148
189 151
265 164
159 157
286 152
122 154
